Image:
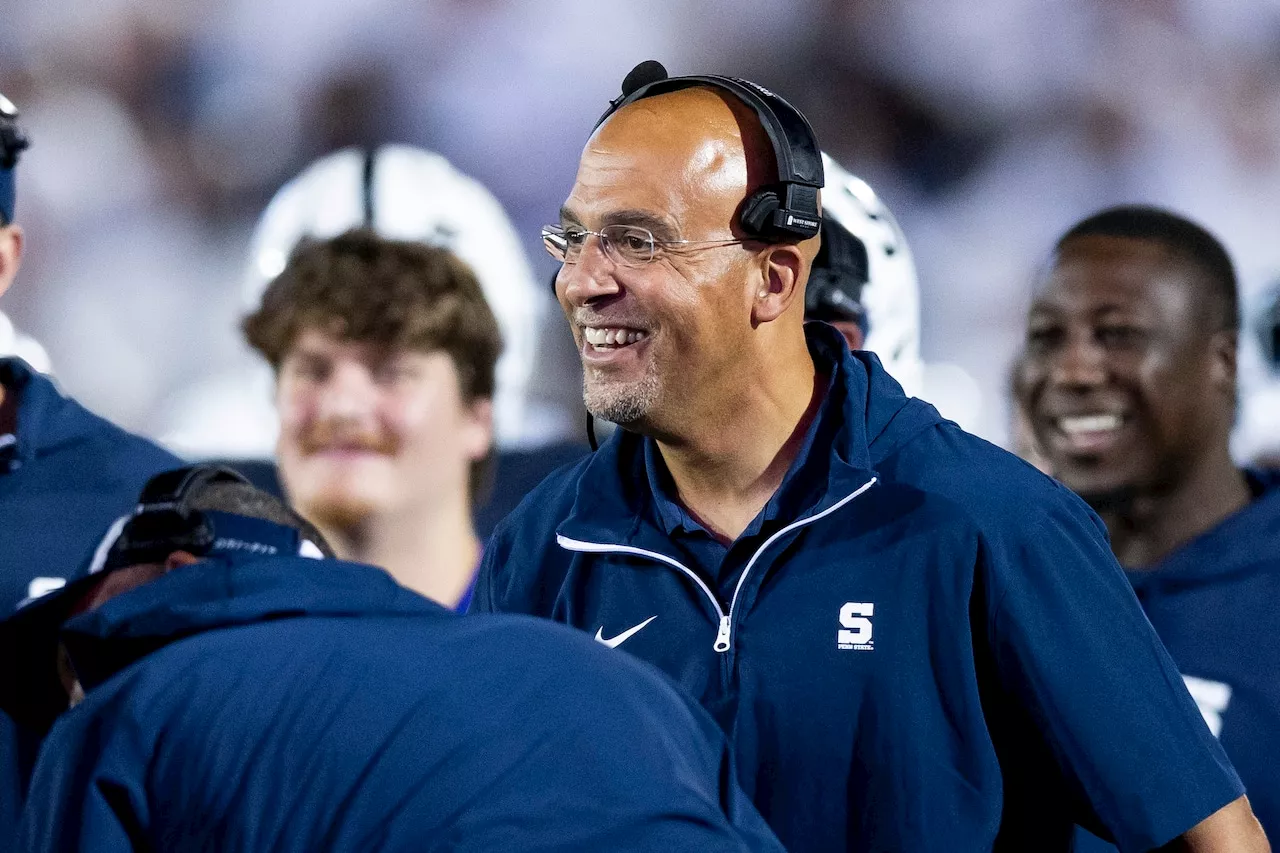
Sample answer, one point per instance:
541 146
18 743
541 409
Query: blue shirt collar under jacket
616 502
673 518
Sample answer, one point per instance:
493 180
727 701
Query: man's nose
348 395
1079 363
591 277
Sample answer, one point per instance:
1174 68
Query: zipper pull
722 638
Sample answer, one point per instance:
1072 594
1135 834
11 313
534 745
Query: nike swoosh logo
614 642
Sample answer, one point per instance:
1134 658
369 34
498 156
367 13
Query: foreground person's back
289 704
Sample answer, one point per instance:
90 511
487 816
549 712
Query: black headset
165 522
12 143
840 271
781 212
12 140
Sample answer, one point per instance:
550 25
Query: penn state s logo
856 631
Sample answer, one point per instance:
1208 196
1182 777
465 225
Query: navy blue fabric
1004 683
7 193
694 544
70 475
1214 603
67 478
273 703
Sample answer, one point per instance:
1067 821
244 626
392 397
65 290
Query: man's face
653 338
1123 386
10 254
367 432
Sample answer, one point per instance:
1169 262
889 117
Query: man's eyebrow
567 216
657 225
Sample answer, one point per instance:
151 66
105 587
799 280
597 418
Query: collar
673 518
1242 543
46 418
621 492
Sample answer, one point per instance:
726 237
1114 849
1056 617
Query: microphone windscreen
649 71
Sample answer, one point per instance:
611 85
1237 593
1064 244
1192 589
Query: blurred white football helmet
407 193
890 297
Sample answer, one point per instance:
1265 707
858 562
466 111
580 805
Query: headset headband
781 212
165 522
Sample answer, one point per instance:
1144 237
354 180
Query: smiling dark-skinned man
886 614
1128 380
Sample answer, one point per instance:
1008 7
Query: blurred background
161 129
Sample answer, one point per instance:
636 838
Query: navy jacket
928 646
69 475
1214 602
289 704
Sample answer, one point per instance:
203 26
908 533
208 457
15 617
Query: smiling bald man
887 615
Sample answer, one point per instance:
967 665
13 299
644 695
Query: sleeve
87 794
1073 649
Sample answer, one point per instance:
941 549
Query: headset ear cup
757 213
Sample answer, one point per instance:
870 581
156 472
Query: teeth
1089 423
612 336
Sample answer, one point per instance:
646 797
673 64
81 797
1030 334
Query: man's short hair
396 294
251 502
1192 243
392 293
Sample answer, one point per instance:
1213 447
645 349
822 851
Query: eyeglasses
628 245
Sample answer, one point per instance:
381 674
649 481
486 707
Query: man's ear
783 270
1222 350
178 559
11 238
478 430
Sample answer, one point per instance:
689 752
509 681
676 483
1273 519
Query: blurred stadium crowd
307 240
163 129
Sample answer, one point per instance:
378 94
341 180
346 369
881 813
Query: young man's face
366 432
1122 385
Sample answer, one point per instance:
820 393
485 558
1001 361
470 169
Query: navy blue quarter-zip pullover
921 644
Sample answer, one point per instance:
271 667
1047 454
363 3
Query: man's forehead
1112 273
320 341
689 147
628 183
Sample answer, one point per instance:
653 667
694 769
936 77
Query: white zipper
601 548
790 527
723 635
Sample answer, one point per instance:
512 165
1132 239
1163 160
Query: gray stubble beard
619 403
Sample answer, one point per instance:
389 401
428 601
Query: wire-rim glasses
628 245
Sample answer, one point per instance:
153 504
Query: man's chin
627 408
1102 492
338 511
